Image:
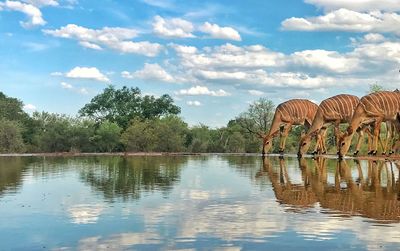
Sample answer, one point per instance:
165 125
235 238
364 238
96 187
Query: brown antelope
334 110
287 114
374 108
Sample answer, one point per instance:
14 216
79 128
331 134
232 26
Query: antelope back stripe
385 103
297 110
340 106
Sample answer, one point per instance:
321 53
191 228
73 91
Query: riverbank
71 154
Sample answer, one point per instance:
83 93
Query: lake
198 202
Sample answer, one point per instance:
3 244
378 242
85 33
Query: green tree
122 105
236 143
258 117
10 136
81 135
107 136
375 88
12 109
54 133
198 139
170 134
139 136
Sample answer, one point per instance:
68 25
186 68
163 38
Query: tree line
125 120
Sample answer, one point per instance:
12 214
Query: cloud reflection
85 213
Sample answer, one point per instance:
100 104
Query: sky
213 57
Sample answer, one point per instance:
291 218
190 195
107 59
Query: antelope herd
364 115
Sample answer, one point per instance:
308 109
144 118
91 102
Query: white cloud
87 73
216 31
40 3
183 49
327 60
359 5
90 45
346 20
254 67
229 55
65 85
70 87
150 72
29 107
256 93
193 103
172 28
115 38
373 38
83 91
33 13
165 4
202 90
56 74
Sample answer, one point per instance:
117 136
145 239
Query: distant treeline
123 120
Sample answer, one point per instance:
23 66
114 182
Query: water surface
211 202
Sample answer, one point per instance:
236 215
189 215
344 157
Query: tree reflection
127 178
11 173
370 189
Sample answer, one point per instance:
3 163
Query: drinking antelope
287 114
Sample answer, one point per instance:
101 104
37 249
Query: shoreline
142 154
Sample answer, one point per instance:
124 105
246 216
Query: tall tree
12 109
122 105
257 119
375 88
10 137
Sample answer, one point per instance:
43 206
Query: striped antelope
287 114
334 110
374 108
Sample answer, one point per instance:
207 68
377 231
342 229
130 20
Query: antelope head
345 141
304 144
267 142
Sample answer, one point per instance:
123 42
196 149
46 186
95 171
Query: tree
375 88
54 133
107 136
236 143
139 136
167 134
170 134
12 109
257 119
122 105
10 137
82 132
199 139
152 107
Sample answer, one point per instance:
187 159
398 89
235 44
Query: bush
10 137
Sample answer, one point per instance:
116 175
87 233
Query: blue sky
212 57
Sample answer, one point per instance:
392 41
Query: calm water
214 202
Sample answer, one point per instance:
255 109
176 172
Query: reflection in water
127 178
371 191
11 172
207 202
85 213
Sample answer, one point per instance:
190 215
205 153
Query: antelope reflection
286 191
370 190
